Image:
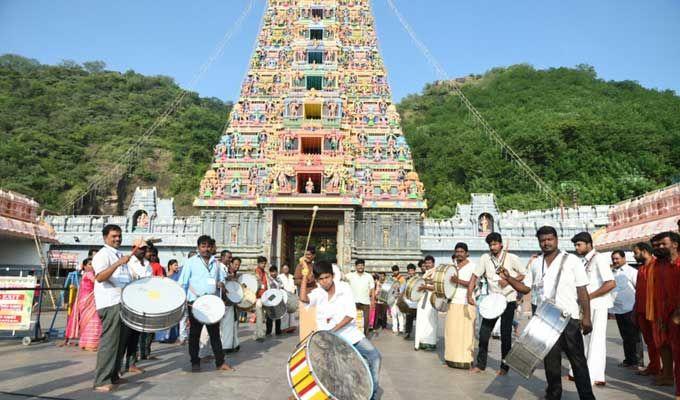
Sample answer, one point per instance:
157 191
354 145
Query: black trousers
631 337
506 335
195 328
277 326
534 307
145 340
410 317
571 343
131 349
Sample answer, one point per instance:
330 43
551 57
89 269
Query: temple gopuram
315 125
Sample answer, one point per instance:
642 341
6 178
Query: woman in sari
84 323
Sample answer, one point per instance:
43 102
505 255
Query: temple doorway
292 229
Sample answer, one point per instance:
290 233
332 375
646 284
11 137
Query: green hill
61 125
591 140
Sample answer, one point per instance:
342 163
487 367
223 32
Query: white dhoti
398 324
228 334
426 322
595 345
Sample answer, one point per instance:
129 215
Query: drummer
139 268
427 317
274 283
570 294
397 316
336 312
200 276
488 265
410 316
263 285
459 331
111 274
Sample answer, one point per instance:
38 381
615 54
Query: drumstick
305 269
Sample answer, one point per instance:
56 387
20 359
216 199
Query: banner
16 305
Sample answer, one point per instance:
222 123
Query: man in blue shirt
200 276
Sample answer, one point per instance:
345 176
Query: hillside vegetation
591 140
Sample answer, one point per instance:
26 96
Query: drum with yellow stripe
324 366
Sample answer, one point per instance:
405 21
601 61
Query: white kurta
426 322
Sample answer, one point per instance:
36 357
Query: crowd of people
591 287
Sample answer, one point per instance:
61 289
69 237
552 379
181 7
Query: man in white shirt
563 281
624 301
599 290
488 265
111 274
427 317
288 284
363 286
459 331
139 268
336 312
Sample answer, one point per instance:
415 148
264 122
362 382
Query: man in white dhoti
599 289
426 315
398 318
288 284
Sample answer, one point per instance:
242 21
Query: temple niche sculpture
315 124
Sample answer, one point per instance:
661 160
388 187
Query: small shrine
315 125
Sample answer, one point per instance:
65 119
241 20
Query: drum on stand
537 339
492 306
274 303
152 304
234 293
208 309
412 286
248 301
250 281
324 366
388 293
292 303
442 281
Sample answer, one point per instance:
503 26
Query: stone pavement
44 371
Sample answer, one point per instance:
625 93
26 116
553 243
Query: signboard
16 305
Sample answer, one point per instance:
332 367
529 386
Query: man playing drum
336 312
411 315
397 316
263 283
200 276
427 317
564 281
459 334
488 266
111 274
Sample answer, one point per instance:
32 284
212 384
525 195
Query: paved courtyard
45 371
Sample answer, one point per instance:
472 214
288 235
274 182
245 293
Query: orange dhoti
307 321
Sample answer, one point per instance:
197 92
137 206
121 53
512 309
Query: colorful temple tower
315 125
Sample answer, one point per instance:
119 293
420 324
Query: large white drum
234 292
250 281
442 281
208 309
492 306
292 302
388 293
152 304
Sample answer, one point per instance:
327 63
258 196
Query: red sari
84 323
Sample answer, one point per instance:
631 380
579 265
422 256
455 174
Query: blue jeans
372 356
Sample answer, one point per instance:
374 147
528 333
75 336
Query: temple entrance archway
290 235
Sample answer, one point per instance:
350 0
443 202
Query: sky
623 39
